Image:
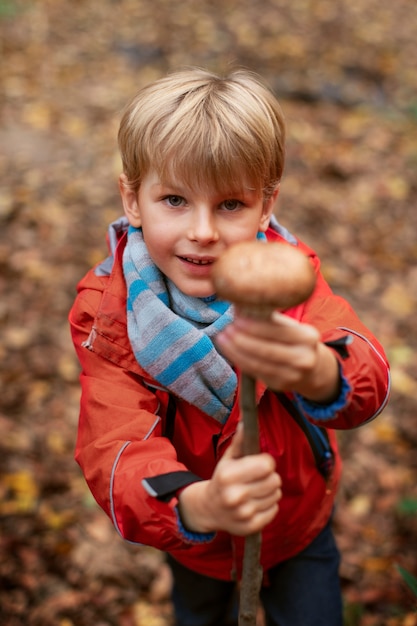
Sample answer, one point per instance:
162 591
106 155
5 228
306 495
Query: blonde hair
206 131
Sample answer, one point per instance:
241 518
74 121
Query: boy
158 440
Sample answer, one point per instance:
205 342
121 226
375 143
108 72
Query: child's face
186 230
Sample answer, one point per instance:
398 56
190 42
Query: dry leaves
346 77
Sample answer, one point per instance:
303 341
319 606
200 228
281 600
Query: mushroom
259 278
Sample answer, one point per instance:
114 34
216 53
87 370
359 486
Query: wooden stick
252 571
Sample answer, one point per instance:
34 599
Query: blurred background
345 74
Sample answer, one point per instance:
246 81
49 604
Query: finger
255 523
260 495
246 500
267 488
292 349
248 471
290 326
268 359
256 506
260 349
235 450
278 327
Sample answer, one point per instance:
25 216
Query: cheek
245 230
153 229
158 240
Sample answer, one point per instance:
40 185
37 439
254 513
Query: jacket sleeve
364 368
120 443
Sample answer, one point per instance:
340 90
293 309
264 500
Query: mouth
197 261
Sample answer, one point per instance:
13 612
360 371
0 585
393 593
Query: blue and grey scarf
172 334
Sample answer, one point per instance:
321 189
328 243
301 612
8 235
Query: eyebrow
178 189
171 186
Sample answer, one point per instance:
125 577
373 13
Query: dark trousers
303 591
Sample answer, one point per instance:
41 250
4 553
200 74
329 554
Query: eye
231 205
174 201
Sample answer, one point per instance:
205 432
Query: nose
203 227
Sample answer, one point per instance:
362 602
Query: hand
241 497
285 354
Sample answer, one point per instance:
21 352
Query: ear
130 202
267 210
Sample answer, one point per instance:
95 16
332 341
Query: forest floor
345 75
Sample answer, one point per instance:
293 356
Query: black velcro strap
340 345
164 486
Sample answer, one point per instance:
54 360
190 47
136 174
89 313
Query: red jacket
125 418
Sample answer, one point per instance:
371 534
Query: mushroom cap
263 275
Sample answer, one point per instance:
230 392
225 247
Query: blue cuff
190 536
325 411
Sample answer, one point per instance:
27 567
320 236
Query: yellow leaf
57 519
403 382
38 390
6 204
386 432
17 337
360 505
56 442
68 368
74 125
145 613
398 300
377 564
400 355
22 494
38 115
397 187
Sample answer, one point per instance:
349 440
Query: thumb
235 450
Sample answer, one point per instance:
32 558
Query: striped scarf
171 334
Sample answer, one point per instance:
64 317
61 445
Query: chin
199 292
